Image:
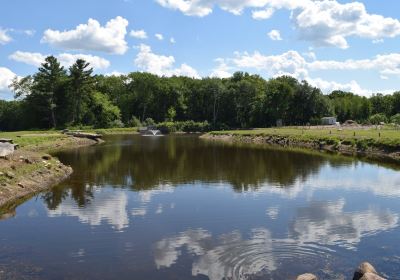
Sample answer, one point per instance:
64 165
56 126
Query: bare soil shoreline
32 169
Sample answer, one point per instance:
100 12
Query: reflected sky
184 208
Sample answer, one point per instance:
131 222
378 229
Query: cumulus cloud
263 14
96 62
299 66
4 37
30 58
222 70
387 64
201 8
172 40
138 34
159 36
6 77
289 63
66 59
275 35
325 22
91 37
161 65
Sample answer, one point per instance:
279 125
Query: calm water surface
183 208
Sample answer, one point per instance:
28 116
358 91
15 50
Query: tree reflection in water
143 163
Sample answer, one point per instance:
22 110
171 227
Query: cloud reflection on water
316 229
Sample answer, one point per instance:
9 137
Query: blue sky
333 44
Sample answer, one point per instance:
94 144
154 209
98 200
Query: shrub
134 122
395 119
377 119
186 126
116 124
149 122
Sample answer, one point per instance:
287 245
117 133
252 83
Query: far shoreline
366 144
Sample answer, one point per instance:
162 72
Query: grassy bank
364 141
385 138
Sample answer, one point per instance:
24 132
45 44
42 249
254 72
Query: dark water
183 208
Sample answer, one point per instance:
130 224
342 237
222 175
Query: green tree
81 85
378 118
102 113
42 92
395 119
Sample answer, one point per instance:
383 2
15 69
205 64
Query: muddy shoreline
32 169
343 148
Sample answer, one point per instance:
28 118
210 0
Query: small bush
186 126
395 119
378 118
149 122
134 122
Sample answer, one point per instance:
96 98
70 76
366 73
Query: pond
180 207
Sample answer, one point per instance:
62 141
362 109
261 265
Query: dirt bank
32 169
342 147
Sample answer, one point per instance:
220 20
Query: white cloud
91 36
263 14
139 34
329 86
30 58
289 63
201 8
172 40
6 77
329 23
96 62
387 64
294 64
115 73
159 36
222 70
275 35
29 32
161 65
324 22
66 59
4 37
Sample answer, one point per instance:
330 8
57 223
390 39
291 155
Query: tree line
55 97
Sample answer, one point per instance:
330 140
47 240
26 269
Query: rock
1 174
362 269
28 161
10 175
13 167
6 149
21 185
371 276
307 276
46 157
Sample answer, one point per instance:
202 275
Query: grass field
34 138
386 137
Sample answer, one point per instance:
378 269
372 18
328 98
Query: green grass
32 138
363 138
110 131
27 139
